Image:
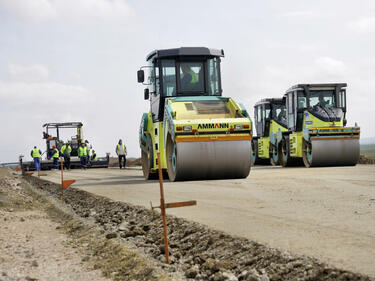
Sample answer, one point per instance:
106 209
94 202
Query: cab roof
317 85
270 101
63 125
184 52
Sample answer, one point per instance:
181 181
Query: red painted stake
64 183
164 206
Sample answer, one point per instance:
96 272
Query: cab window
191 77
322 98
341 101
213 77
301 100
169 77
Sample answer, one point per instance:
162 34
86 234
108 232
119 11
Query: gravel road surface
326 213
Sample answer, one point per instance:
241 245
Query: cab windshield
322 98
190 77
279 112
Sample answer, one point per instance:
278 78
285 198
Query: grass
368 150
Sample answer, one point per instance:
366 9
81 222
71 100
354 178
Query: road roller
199 133
317 134
269 121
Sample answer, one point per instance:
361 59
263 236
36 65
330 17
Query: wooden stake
62 179
162 207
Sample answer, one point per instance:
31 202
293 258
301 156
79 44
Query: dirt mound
201 253
364 160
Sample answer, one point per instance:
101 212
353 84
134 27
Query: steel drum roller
209 160
338 152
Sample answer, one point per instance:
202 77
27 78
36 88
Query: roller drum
338 152
209 160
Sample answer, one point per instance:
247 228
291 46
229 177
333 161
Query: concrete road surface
327 213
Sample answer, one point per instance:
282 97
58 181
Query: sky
76 60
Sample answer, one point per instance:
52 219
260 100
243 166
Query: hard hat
54 146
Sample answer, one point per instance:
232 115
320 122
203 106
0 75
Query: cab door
291 108
155 93
258 112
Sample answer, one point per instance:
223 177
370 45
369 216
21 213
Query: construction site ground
92 235
324 213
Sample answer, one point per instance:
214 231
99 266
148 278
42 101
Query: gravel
198 251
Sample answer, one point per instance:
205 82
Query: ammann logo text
213 126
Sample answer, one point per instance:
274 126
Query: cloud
363 25
43 93
322 69
33 73
72 10
31 85
31 10
300 15
330 67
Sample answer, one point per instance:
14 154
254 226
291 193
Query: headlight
238 126
187 128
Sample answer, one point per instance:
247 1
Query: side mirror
147 94
141 76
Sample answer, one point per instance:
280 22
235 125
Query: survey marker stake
40 175
164 206
64 183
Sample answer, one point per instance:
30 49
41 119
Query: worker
189 78
55 156
88 148
323 102
82 154
121 153
66 150
282 114
94 157
36 155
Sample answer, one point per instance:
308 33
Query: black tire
306 149
284 152
171 168
274 152
147 159
285 159
254 152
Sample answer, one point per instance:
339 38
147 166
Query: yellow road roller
317 133
269 121
199 133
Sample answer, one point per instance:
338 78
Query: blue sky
76 60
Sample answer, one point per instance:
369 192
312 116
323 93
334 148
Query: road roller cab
199 133
269 121
317 134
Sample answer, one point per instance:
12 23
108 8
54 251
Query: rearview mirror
147 94
141 76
